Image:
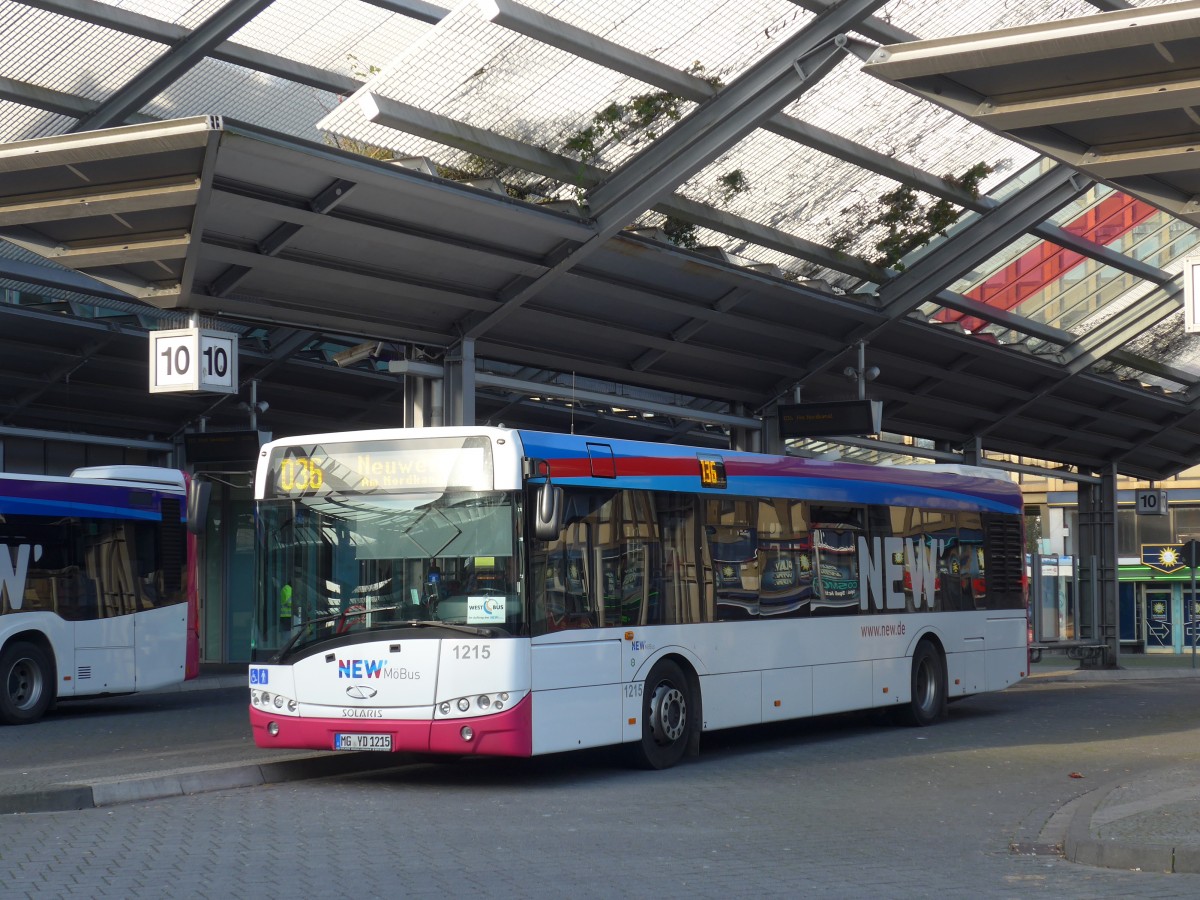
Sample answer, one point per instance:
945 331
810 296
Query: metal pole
1189 618
1094 585
1191 551
1035 600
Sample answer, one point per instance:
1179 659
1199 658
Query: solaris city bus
505 592
97 586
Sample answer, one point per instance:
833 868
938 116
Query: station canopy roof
643 219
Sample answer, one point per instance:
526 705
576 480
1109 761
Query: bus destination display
370 469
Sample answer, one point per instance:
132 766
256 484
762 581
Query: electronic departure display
366 467
712 470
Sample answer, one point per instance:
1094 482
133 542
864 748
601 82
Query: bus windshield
340 564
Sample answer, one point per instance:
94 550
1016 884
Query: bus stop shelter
438 247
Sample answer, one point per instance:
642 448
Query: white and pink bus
505 592
97 586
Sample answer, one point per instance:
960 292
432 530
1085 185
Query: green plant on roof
680 232
641 116
910 222
732 184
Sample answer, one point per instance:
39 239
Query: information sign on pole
1191 293
1150 503
193 359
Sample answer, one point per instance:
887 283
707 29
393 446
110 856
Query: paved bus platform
196 738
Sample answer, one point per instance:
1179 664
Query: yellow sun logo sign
1166 558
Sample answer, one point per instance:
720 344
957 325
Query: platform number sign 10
1151 503
193 359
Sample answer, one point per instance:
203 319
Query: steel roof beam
403 238
1099 100
557 33
138 91
567 392
421 10
1115 332
145 248
76 203
56 278
991 232
997 316
1040 42
151 29
956 255
434 127
46 434
57 102
554 32
739 108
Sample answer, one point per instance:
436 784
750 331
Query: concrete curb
109 792
1111 676
1079 846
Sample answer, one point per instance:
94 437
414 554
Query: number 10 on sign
193 359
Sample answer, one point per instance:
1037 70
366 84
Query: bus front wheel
26 688
928 702
667 717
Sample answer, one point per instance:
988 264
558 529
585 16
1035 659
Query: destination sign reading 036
377 467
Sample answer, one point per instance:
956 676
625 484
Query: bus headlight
477 704
467 733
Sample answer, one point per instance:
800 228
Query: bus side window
565 588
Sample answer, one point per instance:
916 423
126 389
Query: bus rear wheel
928 703
667 717
26 688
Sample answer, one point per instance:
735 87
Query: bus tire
928 703
26 683
668 717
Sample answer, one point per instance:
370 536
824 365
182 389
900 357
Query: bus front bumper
508 733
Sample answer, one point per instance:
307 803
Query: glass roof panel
345 36
19 122
469 69
935 20
64 54
245 95
473 71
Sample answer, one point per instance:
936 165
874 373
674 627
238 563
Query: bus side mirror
548 512
197 504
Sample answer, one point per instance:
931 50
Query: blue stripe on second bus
25 506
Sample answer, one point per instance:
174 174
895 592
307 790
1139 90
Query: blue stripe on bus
26 506
792 477
828 490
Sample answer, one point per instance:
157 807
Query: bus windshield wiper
353 614
434 623
311 623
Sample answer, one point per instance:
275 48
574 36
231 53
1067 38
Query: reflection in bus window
762 557
835 544
606 568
